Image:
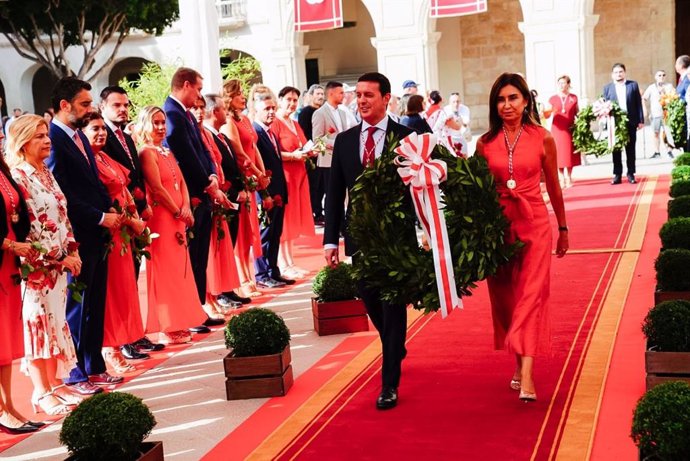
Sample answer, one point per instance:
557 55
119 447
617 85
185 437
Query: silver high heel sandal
515 384
528 396
51 410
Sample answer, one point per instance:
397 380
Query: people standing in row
627 94
653 95
564 110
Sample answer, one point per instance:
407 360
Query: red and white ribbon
423 175
602 110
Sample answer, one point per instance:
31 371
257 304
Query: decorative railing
232 13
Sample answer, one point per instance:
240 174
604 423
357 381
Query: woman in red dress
298 219
173 302
221 272
243 139
122 323
565 109
518 150
14 228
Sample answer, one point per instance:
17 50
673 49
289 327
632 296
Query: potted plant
672 281
682 159
661 423
679 207
114 423
336 308
675 233
258 364
667 328
679 188
680 173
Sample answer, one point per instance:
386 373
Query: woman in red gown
298 219
221 272
518 150
122 323
243 138
173 302
14 228
565 110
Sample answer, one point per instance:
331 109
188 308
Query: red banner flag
318 15
443 8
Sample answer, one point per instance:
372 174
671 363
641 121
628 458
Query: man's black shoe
670 154
631 179
656 155
200 329
280 278
235 297
213 322
616 179
146 345
130 352
387 399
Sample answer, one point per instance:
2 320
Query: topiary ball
335 283
675 233
114 423
679 207
682 159
671 270
667 326
661 422
681 173
679 188
256 332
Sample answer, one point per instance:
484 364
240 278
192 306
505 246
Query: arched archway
228 56
342 54
41 87
127 68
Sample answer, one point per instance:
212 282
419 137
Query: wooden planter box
339 317
258 377
661 296
150 451
666 366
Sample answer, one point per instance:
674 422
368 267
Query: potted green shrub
661 423
681 173
672 281
258 364
335 307
667 328
679 188
675 233
113 423
679 207
682 159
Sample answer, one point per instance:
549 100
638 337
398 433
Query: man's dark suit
389 319
184 140
266 266
231 171
635 117
87 200
117 152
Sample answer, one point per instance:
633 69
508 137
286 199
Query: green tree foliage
246 69
43 30
152 87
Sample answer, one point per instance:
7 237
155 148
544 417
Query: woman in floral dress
49 353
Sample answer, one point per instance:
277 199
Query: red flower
269 173
195 202
50 226
42 218
138 194
277 200
331 130
267 203
131 209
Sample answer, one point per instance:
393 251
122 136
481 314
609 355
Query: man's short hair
332 84
376 77
683 61
184 74
212 101
618 64
313 88
108 90
67 88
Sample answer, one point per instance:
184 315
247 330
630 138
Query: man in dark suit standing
354 150
184 140
91 215
120 147
627 94
266 266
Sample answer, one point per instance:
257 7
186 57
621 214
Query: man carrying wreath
354 150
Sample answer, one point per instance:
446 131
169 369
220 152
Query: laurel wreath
583 136
676 120
382 223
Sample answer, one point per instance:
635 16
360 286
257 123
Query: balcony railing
232 13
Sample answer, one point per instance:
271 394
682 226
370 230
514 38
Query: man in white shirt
461 114
653 95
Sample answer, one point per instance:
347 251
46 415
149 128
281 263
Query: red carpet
455 391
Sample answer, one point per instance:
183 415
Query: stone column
559 39
199 40
287 67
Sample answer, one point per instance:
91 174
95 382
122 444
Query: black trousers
86 318
318 185
391 322
199 246
266 266
629 154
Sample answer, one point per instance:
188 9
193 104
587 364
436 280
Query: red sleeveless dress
519 292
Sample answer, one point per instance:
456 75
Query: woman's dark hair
415 104
287 90
495 120
435 97
91 116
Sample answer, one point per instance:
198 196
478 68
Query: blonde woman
49 352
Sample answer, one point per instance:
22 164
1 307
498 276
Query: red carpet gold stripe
580 421
299 421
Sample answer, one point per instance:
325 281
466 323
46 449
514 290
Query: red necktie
121 137
80 145
369 148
